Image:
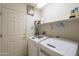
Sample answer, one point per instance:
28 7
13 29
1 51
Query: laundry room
39 29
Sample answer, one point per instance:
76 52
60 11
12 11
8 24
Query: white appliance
33 48
58 47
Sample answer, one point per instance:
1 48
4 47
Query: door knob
0 35
24 37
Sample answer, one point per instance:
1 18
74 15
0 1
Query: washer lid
33 38
62 46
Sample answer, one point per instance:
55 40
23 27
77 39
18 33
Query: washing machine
58 47
33 48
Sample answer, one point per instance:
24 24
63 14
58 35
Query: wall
70 30
57 11
30 22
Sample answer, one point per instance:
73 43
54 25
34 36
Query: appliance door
43 53
32 48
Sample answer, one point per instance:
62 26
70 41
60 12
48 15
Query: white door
13 32
0 30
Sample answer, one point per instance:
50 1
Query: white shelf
70 19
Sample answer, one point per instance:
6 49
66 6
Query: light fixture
40 5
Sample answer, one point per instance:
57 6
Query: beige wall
57 11
69 31
30 22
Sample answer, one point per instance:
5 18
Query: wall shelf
64 20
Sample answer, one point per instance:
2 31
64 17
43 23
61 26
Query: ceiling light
40 5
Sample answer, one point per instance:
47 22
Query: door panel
0 30
13 41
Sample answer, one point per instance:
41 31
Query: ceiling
37 5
